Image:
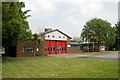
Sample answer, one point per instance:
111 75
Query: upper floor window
59 36
48 35
63 37
53 36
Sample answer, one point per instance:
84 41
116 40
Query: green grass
49 67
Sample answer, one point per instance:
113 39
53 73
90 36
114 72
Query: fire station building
55 42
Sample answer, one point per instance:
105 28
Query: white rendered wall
56 35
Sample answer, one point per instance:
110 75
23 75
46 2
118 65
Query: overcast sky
69 16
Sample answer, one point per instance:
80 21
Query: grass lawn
49 67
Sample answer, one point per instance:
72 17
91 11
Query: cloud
67 15
82 1
44 5
40 5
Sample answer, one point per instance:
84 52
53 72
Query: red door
58 47
63 47
52 46
55 47
46 47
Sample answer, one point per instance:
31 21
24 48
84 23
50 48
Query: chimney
47 29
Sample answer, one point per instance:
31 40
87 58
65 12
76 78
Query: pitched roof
58 31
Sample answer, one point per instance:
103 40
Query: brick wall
29 43
21 45
76 51
68 43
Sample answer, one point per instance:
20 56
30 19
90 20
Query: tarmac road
109 55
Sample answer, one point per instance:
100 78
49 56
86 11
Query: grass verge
49 67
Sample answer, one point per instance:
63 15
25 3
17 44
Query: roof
74 43
24 40
58 31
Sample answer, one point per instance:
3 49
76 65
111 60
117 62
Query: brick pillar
42 45
68 45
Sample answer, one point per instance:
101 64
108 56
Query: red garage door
46 47
63 48
58 47
55 47
52 44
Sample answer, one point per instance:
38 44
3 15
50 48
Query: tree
0 24
98 31
37 39
118 29
118 34
77 39
15 27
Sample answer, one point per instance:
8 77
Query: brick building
54 42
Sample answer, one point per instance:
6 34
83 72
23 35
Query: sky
69 16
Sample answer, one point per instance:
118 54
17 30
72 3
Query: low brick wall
76 51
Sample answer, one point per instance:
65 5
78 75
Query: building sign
68 45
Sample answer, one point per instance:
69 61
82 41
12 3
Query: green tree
15 27
118 29
0 24
98 31
37 39
118 34
77 39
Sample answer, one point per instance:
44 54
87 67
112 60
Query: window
62 48
59 36
53 36
45 49
48 49
63 36
48 35
57 49
53 48
28 49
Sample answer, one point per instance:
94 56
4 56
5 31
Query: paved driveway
111 55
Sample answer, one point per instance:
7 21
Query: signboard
68 45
